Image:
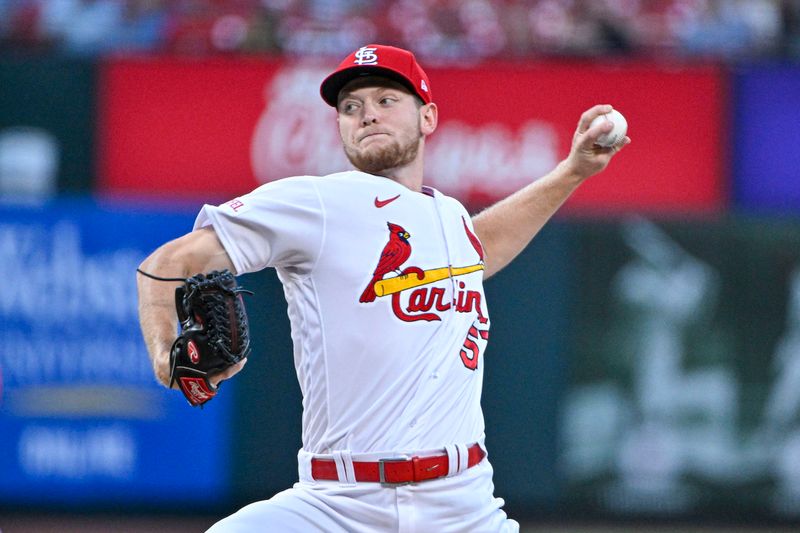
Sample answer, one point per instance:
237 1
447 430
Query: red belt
395 471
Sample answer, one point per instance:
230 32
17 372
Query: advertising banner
684 389
222 127
83 420
766 161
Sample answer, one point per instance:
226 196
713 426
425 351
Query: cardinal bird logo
394 254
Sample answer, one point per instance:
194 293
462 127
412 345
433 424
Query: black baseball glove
214 332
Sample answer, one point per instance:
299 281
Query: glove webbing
222 314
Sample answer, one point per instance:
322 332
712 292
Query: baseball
611 138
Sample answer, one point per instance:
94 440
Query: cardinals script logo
427 303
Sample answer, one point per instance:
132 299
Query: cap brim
329 90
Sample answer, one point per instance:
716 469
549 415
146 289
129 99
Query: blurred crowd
465 30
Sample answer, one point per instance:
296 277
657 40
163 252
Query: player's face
381 124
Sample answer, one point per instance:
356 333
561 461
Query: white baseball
617 133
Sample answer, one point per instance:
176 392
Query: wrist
570 172
161 368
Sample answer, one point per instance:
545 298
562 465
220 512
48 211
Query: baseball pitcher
393 433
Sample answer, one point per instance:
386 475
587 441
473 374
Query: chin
380 157
374 144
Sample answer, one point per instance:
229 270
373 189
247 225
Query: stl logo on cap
377 60
366 56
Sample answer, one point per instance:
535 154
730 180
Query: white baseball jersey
386 304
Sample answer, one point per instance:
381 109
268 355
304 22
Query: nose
368 116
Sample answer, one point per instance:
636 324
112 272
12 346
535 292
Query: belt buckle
382 470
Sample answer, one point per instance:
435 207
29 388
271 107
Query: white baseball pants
461 503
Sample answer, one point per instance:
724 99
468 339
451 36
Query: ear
429 118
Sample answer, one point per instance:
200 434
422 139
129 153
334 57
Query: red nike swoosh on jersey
383 203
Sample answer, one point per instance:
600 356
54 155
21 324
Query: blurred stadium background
644 370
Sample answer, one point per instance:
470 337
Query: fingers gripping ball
214 332
617 134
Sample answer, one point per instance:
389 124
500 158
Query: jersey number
470 351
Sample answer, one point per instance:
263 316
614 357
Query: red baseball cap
378 60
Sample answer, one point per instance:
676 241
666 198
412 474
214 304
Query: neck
410 175
408 179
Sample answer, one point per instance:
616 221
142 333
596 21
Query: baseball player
383 277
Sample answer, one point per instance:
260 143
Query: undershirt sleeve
280 224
